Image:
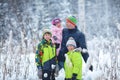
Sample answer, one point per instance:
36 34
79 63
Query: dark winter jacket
80 41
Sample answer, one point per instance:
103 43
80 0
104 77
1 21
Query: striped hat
72 20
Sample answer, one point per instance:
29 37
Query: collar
46 42
70 52
73 30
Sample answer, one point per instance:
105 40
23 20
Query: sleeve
38 55
82 41
53 34
82 44
63 49
77 63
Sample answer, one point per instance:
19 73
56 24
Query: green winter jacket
45 55
73 65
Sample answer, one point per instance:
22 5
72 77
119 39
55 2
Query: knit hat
47 31
55 21
71 41
72 20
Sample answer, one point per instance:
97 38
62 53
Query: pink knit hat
55 21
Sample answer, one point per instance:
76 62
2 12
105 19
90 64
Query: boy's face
70 48
47 36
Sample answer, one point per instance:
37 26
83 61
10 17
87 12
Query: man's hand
78 49
81 50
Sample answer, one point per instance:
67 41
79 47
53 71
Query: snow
21 66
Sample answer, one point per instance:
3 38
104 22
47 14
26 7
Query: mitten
40 73
55 38
91 68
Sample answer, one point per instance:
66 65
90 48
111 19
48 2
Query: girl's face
70 48
69 25
58 24
47 36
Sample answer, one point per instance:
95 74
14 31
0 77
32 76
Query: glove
81 50
84 50
55 38
78 49
57 45
40 73
74 76
53 66
91 68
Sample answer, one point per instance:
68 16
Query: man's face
69 25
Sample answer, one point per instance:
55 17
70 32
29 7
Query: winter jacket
80 41
45 55
57 32
73 65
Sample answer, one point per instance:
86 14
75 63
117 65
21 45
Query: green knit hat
72 20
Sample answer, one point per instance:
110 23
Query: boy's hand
74 76
40 73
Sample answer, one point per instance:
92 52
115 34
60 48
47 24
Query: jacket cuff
74 76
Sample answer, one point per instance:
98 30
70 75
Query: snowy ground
18 64
23 68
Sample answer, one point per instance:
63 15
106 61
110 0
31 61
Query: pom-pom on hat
47 31
71 41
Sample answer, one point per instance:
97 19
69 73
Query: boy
73 62
46 57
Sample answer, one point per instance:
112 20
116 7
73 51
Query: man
72 31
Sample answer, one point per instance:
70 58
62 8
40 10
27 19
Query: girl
57 33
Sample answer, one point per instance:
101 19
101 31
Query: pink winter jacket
58 33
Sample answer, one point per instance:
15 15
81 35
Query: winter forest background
22 22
